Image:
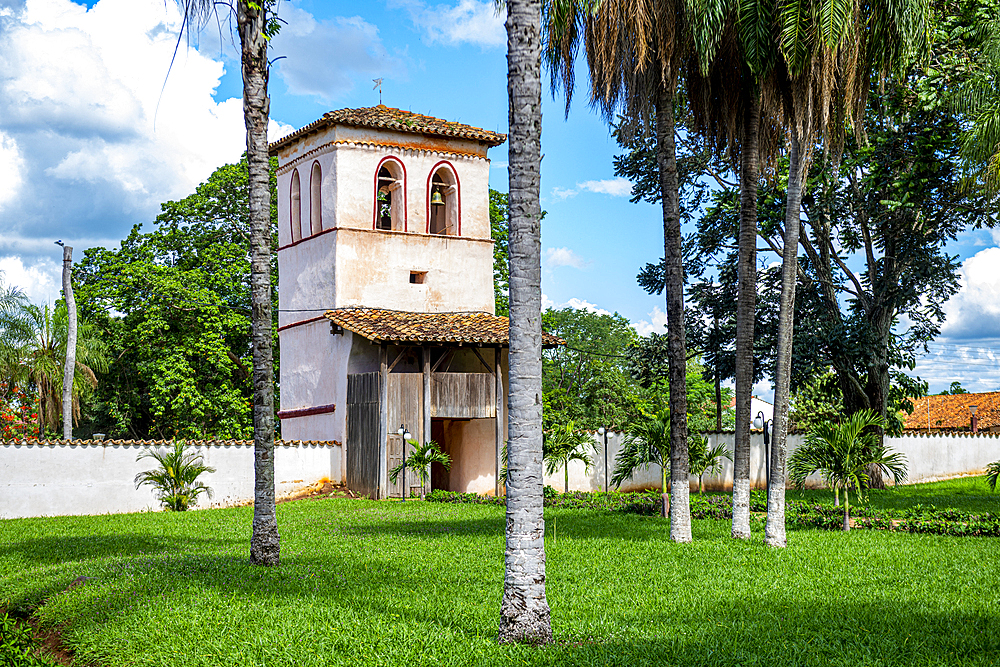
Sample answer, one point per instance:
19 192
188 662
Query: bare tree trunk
666 158
774 529
69 365
524 611
264 543
847 511
745 314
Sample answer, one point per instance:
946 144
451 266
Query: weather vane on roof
378 84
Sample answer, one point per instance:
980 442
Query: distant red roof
388 118
951 412
394 326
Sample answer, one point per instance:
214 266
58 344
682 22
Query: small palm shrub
175 480
704 460
563 444
844 453
646 443
992 472
419 461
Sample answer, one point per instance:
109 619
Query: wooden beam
498 358
446 355
425 427
383 423
485 365
398 357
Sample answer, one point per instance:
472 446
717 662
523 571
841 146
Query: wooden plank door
394 455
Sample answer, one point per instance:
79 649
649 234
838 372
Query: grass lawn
371 583
968 494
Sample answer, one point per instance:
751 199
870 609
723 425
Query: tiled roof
396 326
52 442
387 118
951 411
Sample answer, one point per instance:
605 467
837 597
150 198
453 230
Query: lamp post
603 432
975 420
760 423
406 436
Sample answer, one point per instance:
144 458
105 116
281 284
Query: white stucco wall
929 458
95 478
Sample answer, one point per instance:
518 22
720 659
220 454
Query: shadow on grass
54 549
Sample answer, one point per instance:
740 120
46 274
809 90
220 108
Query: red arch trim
458 186
291 218
312 174
391 158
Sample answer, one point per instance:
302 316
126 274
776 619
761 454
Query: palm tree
39 358
524 611
705 460
992 473
646 443
635 50
256 23
419 461
844 454
176 478
563 444
828 53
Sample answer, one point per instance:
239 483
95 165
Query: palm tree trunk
566 475
666 158
774 529
524 611
69 360
836 495
264 543
847 512
745 306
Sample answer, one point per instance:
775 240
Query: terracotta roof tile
404 327
951 411
388 118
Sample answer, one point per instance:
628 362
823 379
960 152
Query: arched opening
295 201
316 199
444 201
390 206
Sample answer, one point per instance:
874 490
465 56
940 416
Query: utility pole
70 366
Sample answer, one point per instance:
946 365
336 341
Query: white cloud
10 168
323 58
92 126
581 304
974 312
41 281
616 187
657 323
556 257
468 22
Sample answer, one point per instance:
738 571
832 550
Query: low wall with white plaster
90 477
929 457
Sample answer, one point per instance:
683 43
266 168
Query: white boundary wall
929 457
90 477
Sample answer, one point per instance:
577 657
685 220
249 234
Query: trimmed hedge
798 514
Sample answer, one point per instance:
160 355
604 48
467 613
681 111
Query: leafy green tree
176 478
955 388
419 461
704 460
587 380
500 233
844 453
174 305
816 401
564 443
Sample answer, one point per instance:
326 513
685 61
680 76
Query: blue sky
94 136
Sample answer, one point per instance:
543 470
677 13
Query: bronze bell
437 199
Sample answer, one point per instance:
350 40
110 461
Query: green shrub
18 647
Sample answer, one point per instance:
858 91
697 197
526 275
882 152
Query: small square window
418 277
